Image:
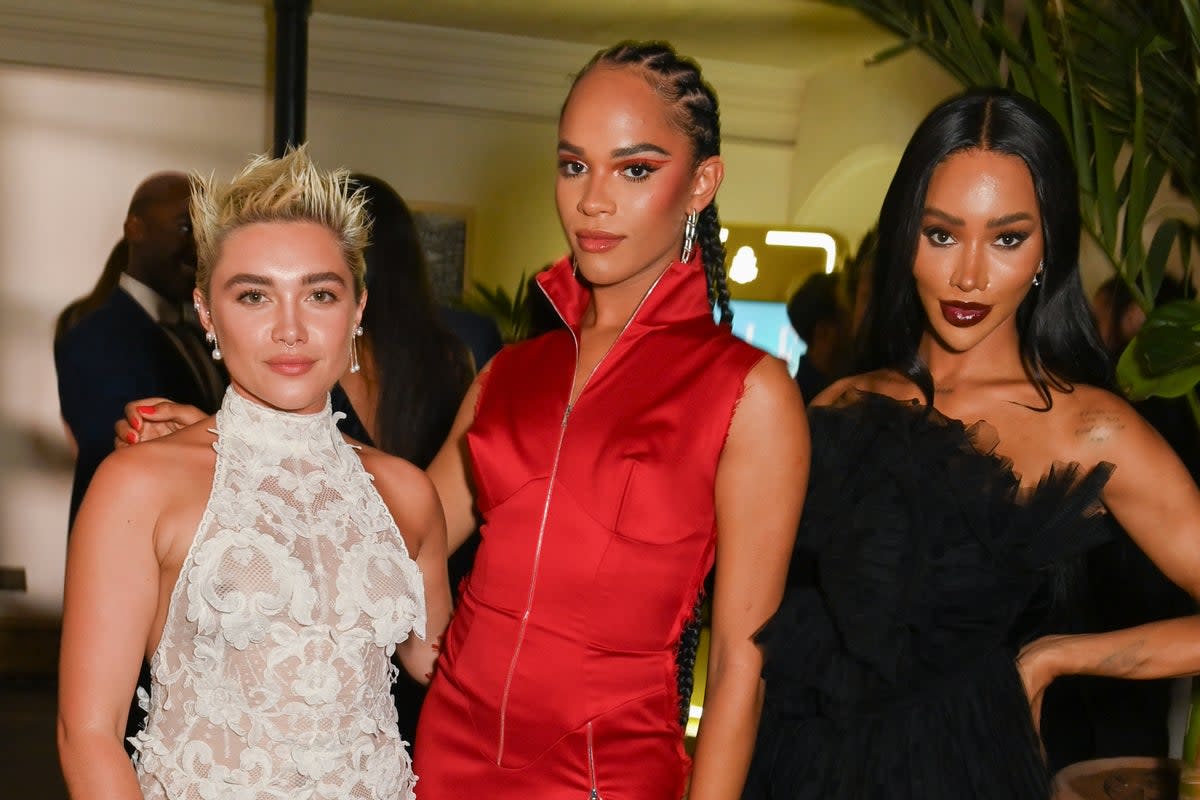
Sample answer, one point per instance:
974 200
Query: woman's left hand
1037 665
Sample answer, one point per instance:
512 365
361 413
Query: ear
1131 322
202 310
135 229
362 304
707 179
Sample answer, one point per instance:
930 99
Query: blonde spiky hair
285 189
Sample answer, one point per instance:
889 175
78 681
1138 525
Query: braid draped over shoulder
694 110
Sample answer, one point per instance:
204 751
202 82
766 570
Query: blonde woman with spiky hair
268 568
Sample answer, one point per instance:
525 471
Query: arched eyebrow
323 277
620 152
994 222
248 279
252 279
1009 219
636 149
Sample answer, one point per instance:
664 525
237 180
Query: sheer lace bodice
272 677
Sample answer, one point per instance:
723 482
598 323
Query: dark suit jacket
114 355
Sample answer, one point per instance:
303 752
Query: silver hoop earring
1037 276
574 266
211 338
689 235
354 365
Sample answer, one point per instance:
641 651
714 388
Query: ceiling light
744 267
821 241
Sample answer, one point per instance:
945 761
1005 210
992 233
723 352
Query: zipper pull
591 756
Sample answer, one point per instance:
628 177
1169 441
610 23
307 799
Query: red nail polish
131 438
145 409
136 422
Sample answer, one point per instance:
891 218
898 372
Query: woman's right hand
152 417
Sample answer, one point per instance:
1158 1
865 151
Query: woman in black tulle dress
953 484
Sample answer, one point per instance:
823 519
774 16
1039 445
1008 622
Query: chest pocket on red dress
661 537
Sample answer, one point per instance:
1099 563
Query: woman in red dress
614 462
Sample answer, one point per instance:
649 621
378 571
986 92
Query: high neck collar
277 434
679 294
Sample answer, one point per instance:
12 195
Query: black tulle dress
921 566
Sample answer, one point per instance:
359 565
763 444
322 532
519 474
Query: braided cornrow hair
685 659
693 102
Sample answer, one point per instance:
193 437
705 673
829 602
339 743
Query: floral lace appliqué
271 680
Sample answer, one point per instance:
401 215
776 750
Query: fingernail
131 438
136 422
145 409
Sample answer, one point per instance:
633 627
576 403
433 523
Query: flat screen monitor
766 326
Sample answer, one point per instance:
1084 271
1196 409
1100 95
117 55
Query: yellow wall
856 121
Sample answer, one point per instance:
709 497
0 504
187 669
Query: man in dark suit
138 343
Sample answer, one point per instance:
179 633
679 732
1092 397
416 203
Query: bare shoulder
770 375
881 381
770 409
155 467
396 478
770 398
406 490
140 490
1098 418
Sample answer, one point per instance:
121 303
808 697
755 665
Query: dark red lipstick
964 315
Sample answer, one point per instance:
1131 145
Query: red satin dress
557 678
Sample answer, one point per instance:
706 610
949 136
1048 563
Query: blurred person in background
79 308
138 342
818 318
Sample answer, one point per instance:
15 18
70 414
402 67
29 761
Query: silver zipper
537 552
595 795
537 560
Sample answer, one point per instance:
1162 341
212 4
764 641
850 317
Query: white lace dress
272 678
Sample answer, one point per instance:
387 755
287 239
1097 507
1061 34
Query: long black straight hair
423 370
1059 343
